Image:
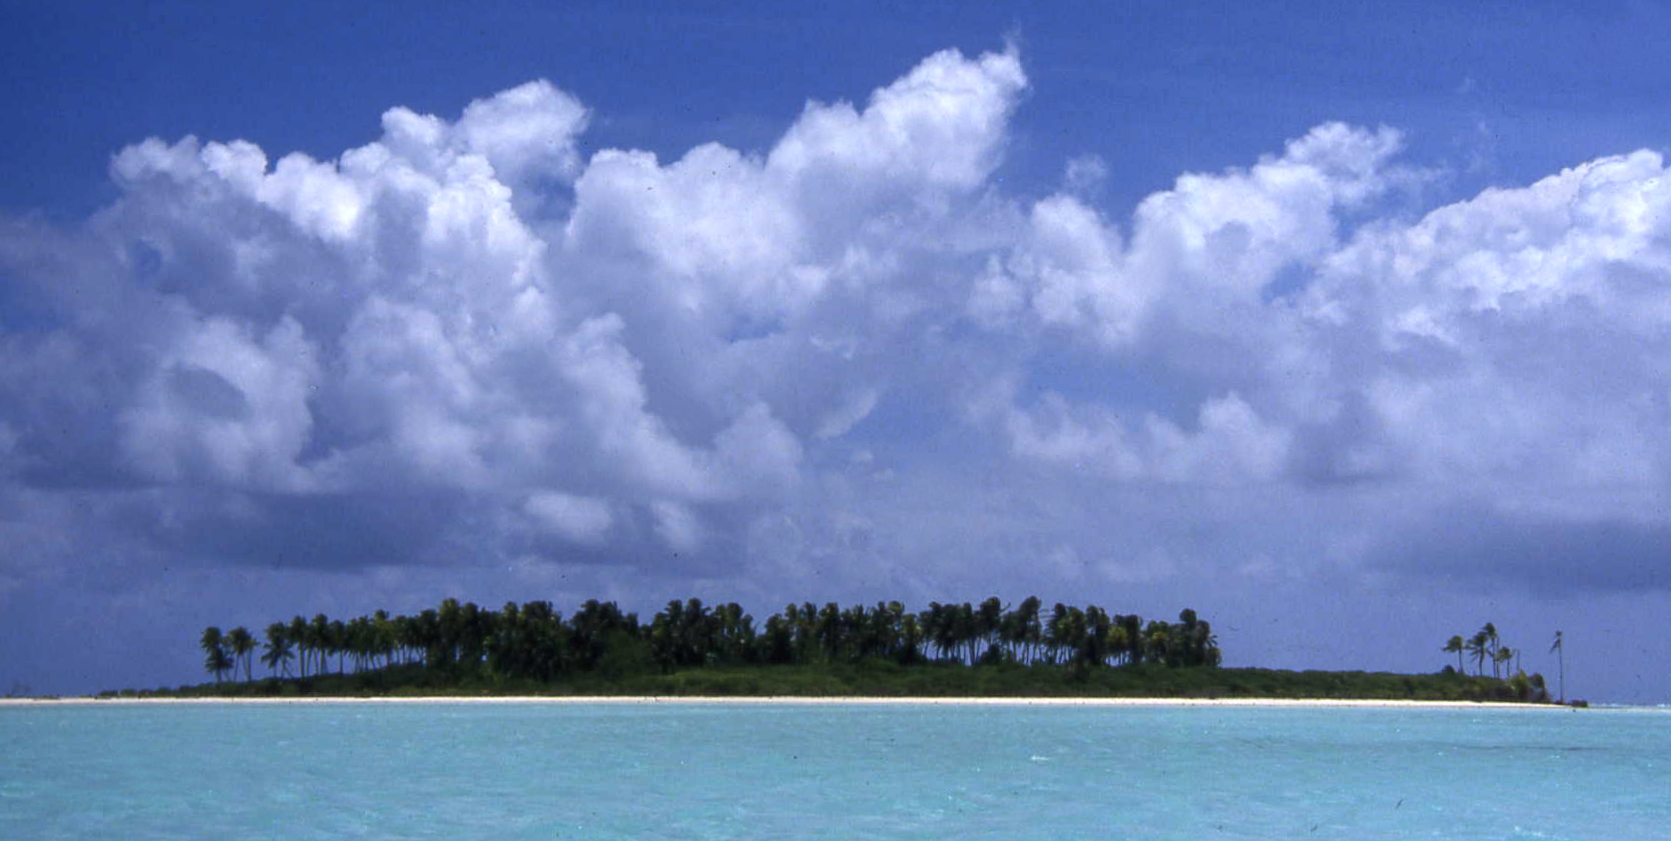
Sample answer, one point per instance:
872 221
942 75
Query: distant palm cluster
533 641
1486 646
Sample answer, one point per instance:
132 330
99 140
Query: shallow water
680 771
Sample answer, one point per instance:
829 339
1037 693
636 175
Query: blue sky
1345 326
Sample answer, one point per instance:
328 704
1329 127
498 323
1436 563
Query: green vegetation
1487 646
691 649
882 679
534 642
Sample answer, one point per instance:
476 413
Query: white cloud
1074 264
1510 343
223 408
758 452
474 327
939 127
1084 174
527 130
581 519
719 237
1201 254
854 409
677 526
1230 445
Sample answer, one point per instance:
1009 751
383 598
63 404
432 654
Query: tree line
536 642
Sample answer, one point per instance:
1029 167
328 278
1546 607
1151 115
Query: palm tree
1479 645
1093 639
1559 650
670 637
1069 635
215 658
777 642
1203 645
1055 632
1455 646
829 630
337 634
298 636
1489 630
1028 632
241 644
276 654
1157 642
1119 643
360 641
989 620
1133 624
933 622
1501 658
384 636
533 642
319 635
736 633
426 636
450 619
910 639
968 629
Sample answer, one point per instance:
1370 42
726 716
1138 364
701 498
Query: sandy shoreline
795 701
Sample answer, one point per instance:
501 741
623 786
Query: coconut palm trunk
1561 659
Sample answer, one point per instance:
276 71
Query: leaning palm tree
1559 649
211 643
1455 646
276 653
215 658
1055 632
319 637
1501 658
337 633
1493 642
989 620
1479 645
297 635
239 641
384 637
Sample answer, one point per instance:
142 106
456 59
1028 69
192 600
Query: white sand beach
794 700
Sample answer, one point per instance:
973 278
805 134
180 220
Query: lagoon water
700 771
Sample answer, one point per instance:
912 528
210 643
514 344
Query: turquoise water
678 771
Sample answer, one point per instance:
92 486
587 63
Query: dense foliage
880 679
691 649
534 642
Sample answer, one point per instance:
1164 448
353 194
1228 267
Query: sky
1346 325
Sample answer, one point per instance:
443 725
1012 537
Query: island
690 649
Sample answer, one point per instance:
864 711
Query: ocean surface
700 771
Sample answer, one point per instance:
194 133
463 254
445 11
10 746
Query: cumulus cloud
1201 256
224 408
941 126
474 340
577 518
1230 444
